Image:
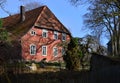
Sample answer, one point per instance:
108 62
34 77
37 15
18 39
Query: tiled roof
40 17
18 28
48 20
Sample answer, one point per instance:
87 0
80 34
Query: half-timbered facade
39 32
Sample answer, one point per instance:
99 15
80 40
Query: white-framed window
32 49
32 32
44 50
63 36
44 33
55 51
55 35
63 51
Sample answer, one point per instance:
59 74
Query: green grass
45 77
52 75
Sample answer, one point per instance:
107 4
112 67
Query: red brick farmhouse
39 32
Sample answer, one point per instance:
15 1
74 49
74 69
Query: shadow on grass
64 76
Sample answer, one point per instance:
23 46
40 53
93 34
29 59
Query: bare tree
32 5
80 2
104 15
89 44
2 4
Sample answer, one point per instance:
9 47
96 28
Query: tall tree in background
8 49
3 33
80 2
1 23
104 18
88 44
104 15
2 2
2 6
29 5
32 5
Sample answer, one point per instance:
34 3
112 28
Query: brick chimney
22 13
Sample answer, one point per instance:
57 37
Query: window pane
55 35
63 36
63 51
44 33
44 50
32 49
55 50
32 33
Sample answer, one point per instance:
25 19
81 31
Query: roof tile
39 17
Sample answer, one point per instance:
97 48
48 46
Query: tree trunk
118 45
112 46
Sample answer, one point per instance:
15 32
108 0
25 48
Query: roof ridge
25 11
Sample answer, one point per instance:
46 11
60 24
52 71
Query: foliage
3 35
10 51
72 56
1 23
64 45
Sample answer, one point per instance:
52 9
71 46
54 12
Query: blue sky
70 16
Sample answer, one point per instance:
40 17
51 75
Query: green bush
1 23
72 56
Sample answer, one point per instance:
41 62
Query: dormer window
55 35
44 33
63 36
32 33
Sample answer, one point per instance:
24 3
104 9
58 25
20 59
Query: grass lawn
57 75
46 76
62 76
